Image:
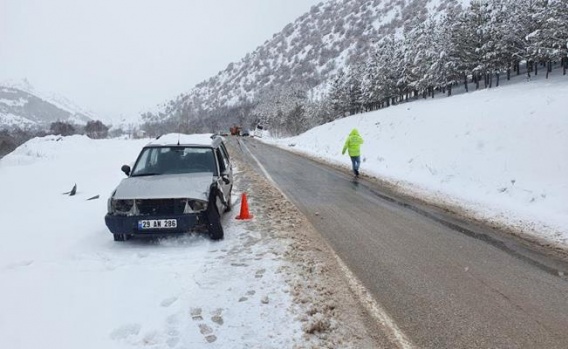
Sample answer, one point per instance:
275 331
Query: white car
179 183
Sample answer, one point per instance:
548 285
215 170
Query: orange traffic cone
244 208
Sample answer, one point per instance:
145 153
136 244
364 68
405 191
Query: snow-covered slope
24 107
500 154
310 50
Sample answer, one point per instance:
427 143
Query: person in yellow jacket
353 147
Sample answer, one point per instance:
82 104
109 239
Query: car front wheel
214 219
215 228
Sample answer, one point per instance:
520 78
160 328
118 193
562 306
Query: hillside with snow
309 51
499 155
347 57
21 106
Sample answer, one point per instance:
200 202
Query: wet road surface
445 284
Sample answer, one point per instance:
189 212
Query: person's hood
354 132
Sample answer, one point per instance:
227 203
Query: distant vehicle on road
235 130
179 183
258 130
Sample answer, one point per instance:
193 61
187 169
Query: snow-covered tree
506 33
96 129
355 89
275 106
422 56
388 57
369 87
338 94
549 40
443 68
62 128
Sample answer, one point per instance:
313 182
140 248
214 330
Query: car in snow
179 183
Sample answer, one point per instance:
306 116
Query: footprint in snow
260 273
247 295
21 264
205 329
196 314
125 331
207 332
172 331
217 316
239 265
168 301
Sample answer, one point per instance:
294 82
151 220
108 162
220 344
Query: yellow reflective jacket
353 143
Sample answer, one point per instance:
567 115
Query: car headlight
194 206
122 206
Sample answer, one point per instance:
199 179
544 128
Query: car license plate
157 224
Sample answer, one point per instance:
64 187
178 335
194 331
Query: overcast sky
119 57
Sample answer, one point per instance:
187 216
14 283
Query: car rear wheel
120 237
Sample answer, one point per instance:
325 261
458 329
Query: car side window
224 150
142 162
223 163
153 158
147 162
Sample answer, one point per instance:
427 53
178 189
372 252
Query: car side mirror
225 178
126 169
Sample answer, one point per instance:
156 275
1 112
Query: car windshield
174 160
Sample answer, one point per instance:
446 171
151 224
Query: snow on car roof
184 139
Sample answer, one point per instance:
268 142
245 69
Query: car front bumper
130 224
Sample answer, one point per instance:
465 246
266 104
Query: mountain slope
310 50
22 107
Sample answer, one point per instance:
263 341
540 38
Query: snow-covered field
67 284
500 154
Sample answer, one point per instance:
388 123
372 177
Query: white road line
374 308
263 170
376 311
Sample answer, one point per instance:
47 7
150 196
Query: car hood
189 185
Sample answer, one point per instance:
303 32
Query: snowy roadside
324 300
496 156
271 283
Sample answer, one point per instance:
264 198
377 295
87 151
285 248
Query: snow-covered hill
310 50
345 57
500 154
23 107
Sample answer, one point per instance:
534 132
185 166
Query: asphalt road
444 283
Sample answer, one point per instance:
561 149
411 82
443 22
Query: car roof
175 139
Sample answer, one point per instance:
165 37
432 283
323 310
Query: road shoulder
332 315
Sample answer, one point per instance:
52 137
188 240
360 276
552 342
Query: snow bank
500 153
68 284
